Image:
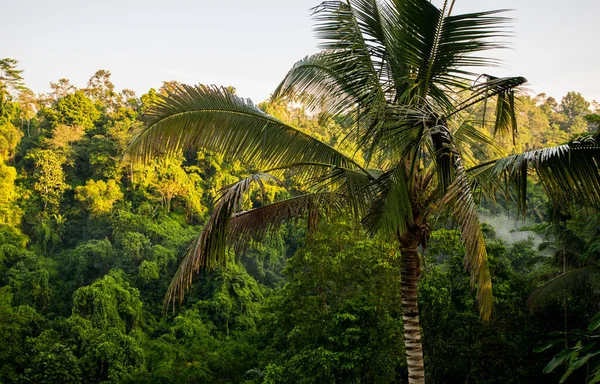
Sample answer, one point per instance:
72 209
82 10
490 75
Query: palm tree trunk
410 271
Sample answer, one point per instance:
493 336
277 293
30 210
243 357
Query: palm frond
506 118
390 212
430 48
213 118
460 38
460 198
256 223
492 87
208 250
442 152
570 173
468 137
353 185
400 135
569 281
347 71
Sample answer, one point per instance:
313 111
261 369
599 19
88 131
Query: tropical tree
577 258
11 79
401 72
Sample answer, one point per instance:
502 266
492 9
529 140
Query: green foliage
89 260
169 181
574 105
9 138
148 271
337 318
113 358
109 303
9 211
231 299
581 355
450 320
98 196
73 109
10 77
88 244
48 177
101 89
52 361
16 325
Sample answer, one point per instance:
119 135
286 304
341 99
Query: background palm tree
577 259
402 72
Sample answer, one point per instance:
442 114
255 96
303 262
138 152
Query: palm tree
578 260
402 70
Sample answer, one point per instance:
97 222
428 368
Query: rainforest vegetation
382 218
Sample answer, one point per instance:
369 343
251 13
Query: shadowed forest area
273 285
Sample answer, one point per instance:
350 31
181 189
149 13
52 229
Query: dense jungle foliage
89 244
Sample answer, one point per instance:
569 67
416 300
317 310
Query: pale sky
252 44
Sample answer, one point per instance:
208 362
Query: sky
252 44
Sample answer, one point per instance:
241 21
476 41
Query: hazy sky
252 44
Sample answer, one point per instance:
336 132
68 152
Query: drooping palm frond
506 119
460 198
570 173
472 140
504 90
354 185
254 224
443 153
390 212
488 89
208 250
570 281
212 118
236 230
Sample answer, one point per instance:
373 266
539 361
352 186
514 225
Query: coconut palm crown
405 73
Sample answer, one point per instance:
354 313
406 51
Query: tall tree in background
573 105
61 89
11 79
402 71
101 89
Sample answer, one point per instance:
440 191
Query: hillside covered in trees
90 243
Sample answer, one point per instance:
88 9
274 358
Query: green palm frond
570 173
354 185
442 151
468 137
236 230
401 135
212 118
492 87
208 250
460 198
569 281
256 223
320 81
346 72
390 212
506 118
432 48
